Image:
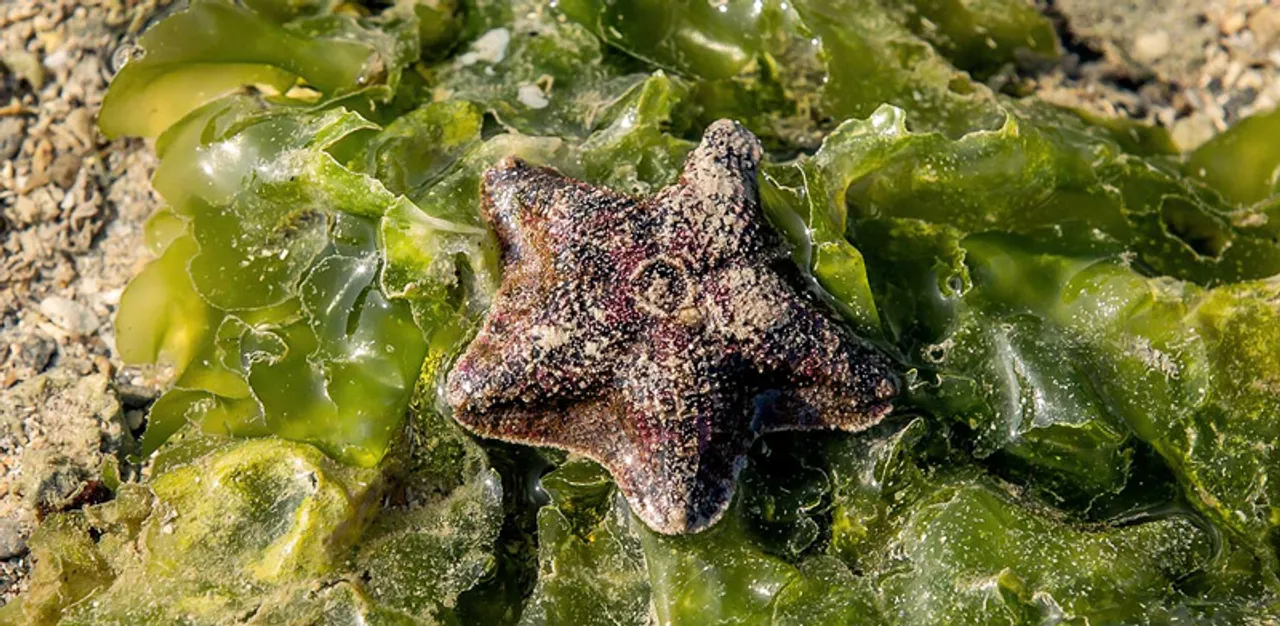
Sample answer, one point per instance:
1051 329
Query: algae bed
1086 320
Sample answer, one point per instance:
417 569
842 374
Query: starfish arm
687 435
588 427
833 379
526 354
724 164
513 193
816 373
712 214
551 225
677 476
676 488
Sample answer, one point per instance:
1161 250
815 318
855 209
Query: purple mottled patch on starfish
657 336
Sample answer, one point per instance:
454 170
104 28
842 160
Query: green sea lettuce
785 66
272 532
1243 162
535 74
983 37
910 541
281 264
185 61
1049 343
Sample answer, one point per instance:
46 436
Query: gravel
1192 67
72 207
12 542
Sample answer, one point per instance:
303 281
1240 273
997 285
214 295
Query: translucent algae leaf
828 594
417 149
293 333
711 41
1151 358
536 74
1244 162
591 566
945 543
181 322
633 154
420 562
1057 182
603 566
968 556
981 37
186 63
927 546
782 66
280 515
876 59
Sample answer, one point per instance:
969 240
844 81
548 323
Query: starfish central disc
657 336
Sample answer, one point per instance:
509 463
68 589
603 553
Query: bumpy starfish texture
658 337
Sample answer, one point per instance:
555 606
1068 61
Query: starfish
658 337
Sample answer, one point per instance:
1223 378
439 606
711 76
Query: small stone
80 123
33 352
58 60
24 66
64 169
112 298
1265 25
69 315
1150 47
25 211
12 543
1232 22
137 396
489 48
12 131
1192 131
532 97
41 156
133 420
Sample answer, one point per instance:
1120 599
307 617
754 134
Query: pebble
133 420
33 352
64 169
80 123
69 315
58 60
490 48
12 130
12 543
532 97
1192 131
137 396
25 211
1265 25
25 66
1150 47
1232 22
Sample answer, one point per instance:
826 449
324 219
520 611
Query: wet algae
1086 324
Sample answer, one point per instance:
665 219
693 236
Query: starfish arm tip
671 516
457 392
725 137
503 173
727 158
